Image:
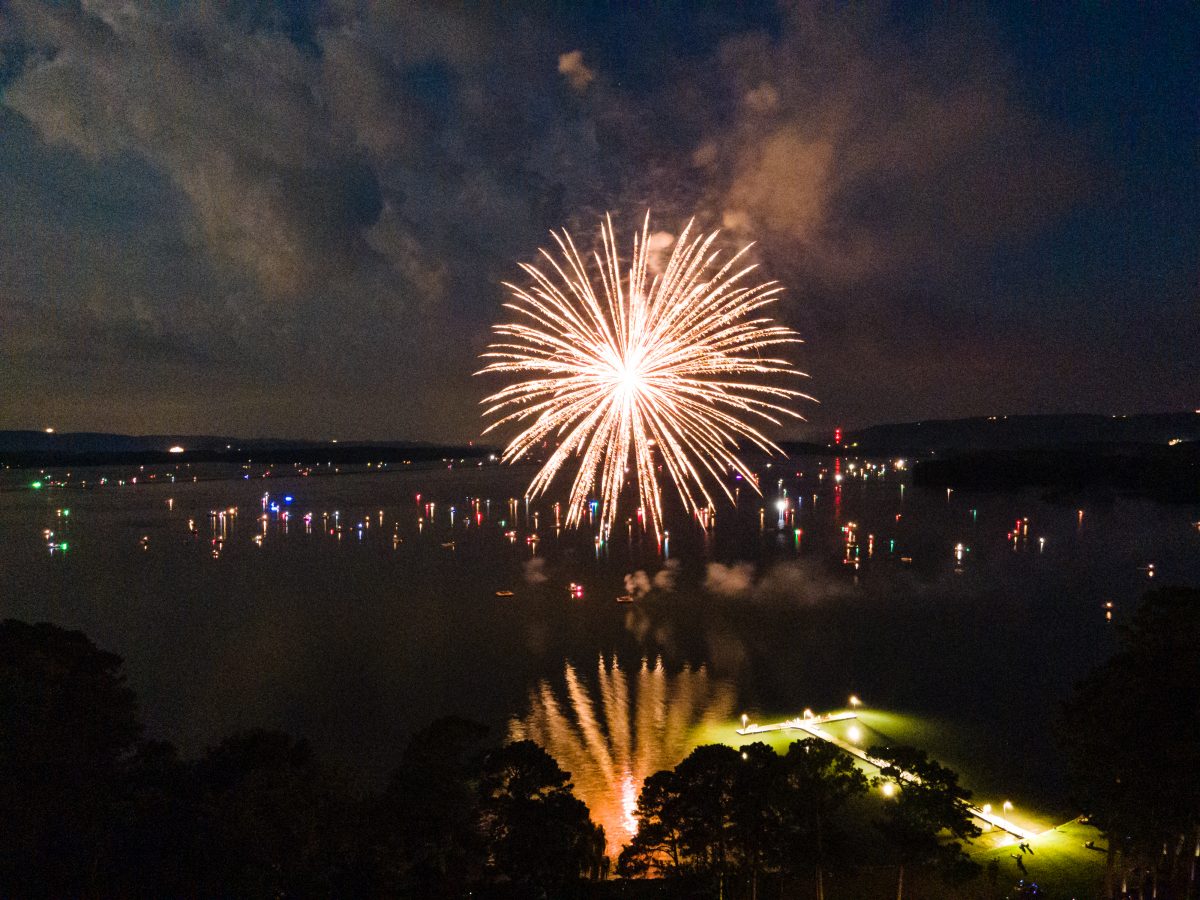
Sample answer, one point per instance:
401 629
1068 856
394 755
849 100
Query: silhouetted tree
68 729
537 832
1131 731
708 779
657 847
157 842
88 810
759 806
709 817
927 816
723 811
820 780
274 821
428 842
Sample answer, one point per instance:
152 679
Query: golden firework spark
630 363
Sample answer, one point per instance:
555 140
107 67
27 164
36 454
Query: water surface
380 613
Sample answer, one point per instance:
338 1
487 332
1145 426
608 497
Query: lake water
380 613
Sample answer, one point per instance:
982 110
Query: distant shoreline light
175 449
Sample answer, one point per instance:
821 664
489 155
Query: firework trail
635 362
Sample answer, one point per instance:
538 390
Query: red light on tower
837 436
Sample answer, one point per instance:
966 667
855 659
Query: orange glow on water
612 732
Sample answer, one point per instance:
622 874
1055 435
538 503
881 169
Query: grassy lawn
1061 866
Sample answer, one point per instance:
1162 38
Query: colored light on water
37 485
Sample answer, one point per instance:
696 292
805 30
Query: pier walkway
812 726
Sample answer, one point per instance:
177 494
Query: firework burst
638 363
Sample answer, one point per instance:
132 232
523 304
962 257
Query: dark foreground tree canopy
1131 732
92 809
68 728
724 812
928 804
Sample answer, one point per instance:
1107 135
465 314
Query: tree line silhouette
1131 735
90 808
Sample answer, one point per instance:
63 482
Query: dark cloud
328 208
930 218
871 154
289 218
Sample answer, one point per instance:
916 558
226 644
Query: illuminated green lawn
1060 863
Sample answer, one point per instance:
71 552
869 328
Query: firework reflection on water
611 734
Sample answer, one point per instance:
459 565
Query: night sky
293 218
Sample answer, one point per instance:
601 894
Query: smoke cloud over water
535 571
638 584
729 581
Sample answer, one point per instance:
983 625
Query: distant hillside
48 449
1163 473
1023 432
99 442
794 448
939 436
